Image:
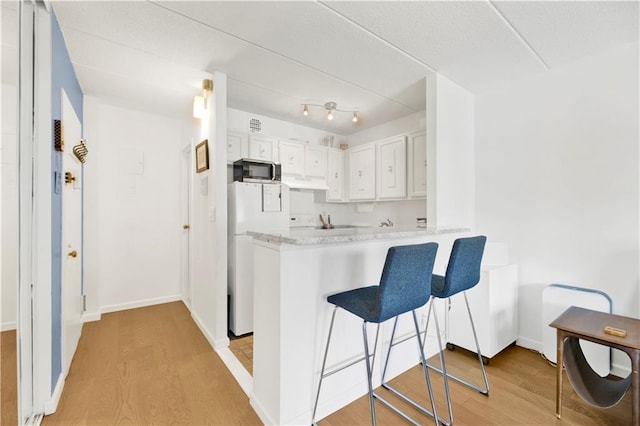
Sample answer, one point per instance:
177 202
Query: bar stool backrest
463 271
405 283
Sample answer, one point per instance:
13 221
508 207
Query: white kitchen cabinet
493 302
392 168
417 163
362 172
237 146
335 174
315 161
292 157
263 148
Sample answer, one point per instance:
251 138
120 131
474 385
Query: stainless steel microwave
250 170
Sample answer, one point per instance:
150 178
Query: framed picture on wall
202 156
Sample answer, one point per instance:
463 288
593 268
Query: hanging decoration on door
80 151
58 142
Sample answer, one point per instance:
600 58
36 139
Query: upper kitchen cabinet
362 172
303 165
292 157
417 162
392 168
335 174
315 162
237 146
263 148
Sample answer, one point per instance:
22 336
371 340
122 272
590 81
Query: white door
185 240
71 182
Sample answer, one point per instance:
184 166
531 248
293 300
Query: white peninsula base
294 275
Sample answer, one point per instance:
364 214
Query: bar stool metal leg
484 391
369 371
324 363
323 375
387 386
442 362
475 338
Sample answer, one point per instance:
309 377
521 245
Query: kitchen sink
339 227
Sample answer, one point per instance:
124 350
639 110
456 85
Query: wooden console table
579 323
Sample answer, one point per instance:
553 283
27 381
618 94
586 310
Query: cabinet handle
336 175
360 173
390 169
425 163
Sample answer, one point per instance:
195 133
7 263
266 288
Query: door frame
34 192
186 175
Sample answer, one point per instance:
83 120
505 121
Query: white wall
137 197
453 200
239 120
9 209
209 221
557 179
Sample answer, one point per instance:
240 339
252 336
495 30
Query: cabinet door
262 148
292 157
417 165
335 172
236 146
362 173
315 162
392 168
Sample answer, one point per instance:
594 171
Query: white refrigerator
251 207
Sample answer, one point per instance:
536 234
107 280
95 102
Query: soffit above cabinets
370 56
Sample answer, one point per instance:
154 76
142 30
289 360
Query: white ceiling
369 56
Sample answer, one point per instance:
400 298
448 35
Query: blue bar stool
463 273
405 285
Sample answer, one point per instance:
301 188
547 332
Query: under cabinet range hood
299 182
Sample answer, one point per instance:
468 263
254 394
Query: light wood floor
149 366
8 379
242 348
522 393
153 366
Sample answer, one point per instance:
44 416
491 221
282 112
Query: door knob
185 227
73 253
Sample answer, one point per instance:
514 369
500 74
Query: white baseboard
203 329
90 316
140 303
620 370
260 412
221 343
51 405
6 326
529 343
238 371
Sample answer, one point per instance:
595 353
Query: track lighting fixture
330 107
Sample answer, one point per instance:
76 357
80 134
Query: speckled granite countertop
307 236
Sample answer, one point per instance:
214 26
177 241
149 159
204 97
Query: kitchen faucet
386 223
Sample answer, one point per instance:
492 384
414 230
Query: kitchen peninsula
295 270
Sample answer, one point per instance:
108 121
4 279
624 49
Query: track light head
330 107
